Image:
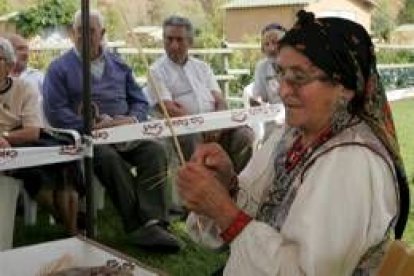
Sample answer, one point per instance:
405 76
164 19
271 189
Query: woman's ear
346 93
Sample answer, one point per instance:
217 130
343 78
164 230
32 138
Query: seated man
20 125
21 69
187 86
139 199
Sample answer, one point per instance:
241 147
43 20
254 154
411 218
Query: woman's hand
203 193
215 159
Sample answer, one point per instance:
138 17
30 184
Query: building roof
263 3
233 4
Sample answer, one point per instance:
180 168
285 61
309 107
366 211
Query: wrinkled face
309 97
96 36
176 43
22 53
269 43
5 67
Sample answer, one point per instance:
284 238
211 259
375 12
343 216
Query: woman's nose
285 89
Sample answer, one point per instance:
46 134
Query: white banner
190 124
13 158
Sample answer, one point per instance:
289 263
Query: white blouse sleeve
344 206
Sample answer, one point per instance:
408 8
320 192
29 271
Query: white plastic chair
9 190
258 128
30 205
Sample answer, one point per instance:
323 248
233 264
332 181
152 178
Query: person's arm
259 86
56 105
173 108
337 215
31 118
252 181
138 104
220 102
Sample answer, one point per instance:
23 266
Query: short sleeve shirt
190 84
19 107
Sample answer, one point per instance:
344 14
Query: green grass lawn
191 260
194 260
404 119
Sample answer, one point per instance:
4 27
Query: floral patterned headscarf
345 52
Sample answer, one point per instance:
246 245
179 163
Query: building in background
244 19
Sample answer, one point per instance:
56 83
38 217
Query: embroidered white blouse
344 206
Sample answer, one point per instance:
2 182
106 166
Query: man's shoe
155 238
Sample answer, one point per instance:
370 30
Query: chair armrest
73 134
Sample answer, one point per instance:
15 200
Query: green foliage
391 56
407 13
46 13
403 118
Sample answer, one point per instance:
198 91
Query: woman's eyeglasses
297 78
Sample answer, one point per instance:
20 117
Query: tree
46 13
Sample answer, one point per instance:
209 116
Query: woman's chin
293 119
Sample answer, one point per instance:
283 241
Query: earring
341 116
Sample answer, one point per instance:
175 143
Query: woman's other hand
203 193
215 159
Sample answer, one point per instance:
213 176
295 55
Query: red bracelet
234 229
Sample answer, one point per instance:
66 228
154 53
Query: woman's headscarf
344 51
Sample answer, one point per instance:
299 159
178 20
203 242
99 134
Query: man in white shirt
187 86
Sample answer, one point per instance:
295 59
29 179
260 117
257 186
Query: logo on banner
102 134
239 116
192 122
152 129
6 155
70 150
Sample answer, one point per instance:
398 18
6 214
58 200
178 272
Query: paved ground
399 94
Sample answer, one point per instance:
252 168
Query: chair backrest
398 260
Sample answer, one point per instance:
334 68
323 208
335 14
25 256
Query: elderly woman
325 199
20 125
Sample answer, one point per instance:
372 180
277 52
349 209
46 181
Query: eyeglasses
297 78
